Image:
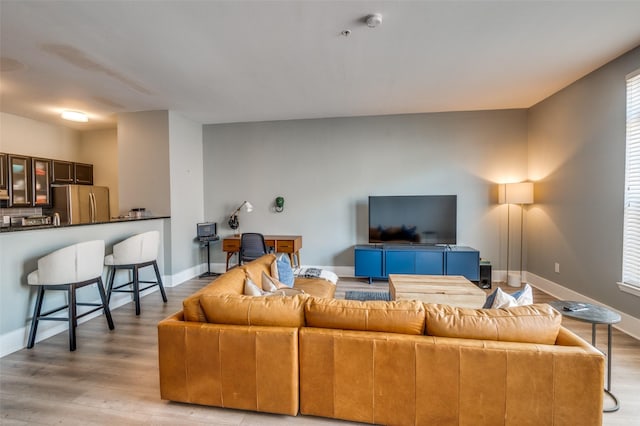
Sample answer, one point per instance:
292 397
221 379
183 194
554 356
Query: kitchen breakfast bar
20 249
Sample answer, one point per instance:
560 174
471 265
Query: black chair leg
155 268
36 317
111 274
105 304
72 317
136 289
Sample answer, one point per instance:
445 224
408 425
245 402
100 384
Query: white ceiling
235 61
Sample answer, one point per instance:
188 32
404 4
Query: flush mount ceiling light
374 20
78 116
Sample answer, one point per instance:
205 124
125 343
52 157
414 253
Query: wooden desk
290 244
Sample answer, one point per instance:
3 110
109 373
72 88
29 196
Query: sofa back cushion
232 282
275 311
538 323
405 316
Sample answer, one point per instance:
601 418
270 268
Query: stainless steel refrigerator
81 203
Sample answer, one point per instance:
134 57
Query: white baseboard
629 324
17 339
219 268
182 276
342 271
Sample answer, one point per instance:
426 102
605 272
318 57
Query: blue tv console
377 261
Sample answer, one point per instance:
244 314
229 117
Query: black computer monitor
207 229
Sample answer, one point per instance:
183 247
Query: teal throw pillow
285 273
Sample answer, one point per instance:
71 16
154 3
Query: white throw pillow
251 289
271 284
274 269
504 300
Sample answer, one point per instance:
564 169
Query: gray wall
187 204
577 158
160 166
326 169
143 161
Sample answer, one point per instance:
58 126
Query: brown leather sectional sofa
404 362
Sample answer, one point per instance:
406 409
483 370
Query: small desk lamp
515 193
233 218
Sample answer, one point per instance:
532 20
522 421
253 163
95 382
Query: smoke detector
374 20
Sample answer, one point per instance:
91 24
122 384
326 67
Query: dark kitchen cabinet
4 190
69 172
19 181
83 173
62 172
3 171
26 181
41 182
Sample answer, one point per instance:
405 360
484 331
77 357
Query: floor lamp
521 194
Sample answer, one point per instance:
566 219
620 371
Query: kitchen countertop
113 220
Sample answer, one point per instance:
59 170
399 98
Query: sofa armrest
244 367
231 282
569 338
316 287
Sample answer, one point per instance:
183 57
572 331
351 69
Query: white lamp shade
248 206
515 193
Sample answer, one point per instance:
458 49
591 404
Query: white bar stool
69 269
133 254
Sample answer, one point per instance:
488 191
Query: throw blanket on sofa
307 272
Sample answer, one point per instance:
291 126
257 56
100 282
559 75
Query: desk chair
69 269
252 246
133 254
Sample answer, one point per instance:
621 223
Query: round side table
593 314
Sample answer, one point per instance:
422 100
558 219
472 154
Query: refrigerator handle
95 208
92 207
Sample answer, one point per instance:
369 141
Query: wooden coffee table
454 290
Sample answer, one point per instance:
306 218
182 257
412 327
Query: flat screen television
416 219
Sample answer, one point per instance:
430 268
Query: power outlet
557 268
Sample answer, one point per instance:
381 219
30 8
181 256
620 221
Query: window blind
631 239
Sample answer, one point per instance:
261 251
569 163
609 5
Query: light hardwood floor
112 377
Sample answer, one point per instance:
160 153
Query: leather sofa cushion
231 282
275 311
405 316
538 323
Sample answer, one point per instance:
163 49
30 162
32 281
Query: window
631 245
